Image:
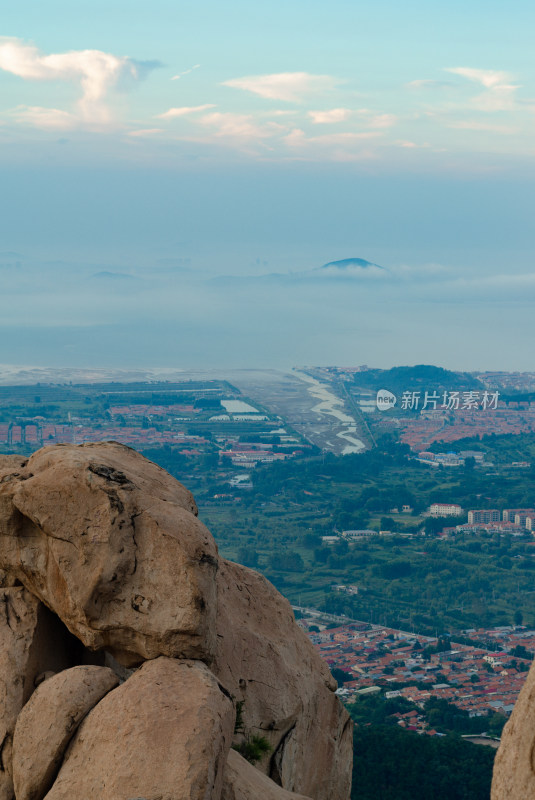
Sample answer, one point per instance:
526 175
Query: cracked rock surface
513 775
101 536
269 663
126 644
48 722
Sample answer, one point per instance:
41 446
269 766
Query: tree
248 556
286 561
341 547
321 554
401 568
341 676
434 525
520 651
253 748
311 539
496 724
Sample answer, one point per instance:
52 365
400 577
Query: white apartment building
445 510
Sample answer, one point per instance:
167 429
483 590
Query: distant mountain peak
347 264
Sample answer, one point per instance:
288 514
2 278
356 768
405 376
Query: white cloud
239 126
331 147
183 111
186 72
383 121
45 118
293 87
280 113
500 92
370 273
368 118
145 132
487 77
511 285
474 125
407 144
421 272
428 84
298 136
329 117
499 98
95 71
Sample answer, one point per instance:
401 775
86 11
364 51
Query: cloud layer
173 113
474 109
292 87
96 73
499 94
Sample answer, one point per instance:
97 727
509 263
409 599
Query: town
229 444
482 678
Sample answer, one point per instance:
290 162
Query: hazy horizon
173 177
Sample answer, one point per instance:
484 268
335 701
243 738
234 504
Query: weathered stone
165 733
269 663
31 642
244 782
110 542
11 468
514 766
48 722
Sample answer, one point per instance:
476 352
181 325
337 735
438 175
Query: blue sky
412 86
174 143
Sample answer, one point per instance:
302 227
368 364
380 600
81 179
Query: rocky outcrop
32 644
514 766
103 561
18 624
244 782
270 665
165 732
48 722
100 541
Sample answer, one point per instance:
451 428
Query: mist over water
133 269
183 320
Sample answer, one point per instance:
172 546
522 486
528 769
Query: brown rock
11 468
164 734
513 776
109 541
31 642
244 782
111 544
49 720
269 663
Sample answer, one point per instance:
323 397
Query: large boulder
116 569
165 733
48 722
286 690
110 542
514 766
244 782
31 643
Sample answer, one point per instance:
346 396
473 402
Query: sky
174 176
